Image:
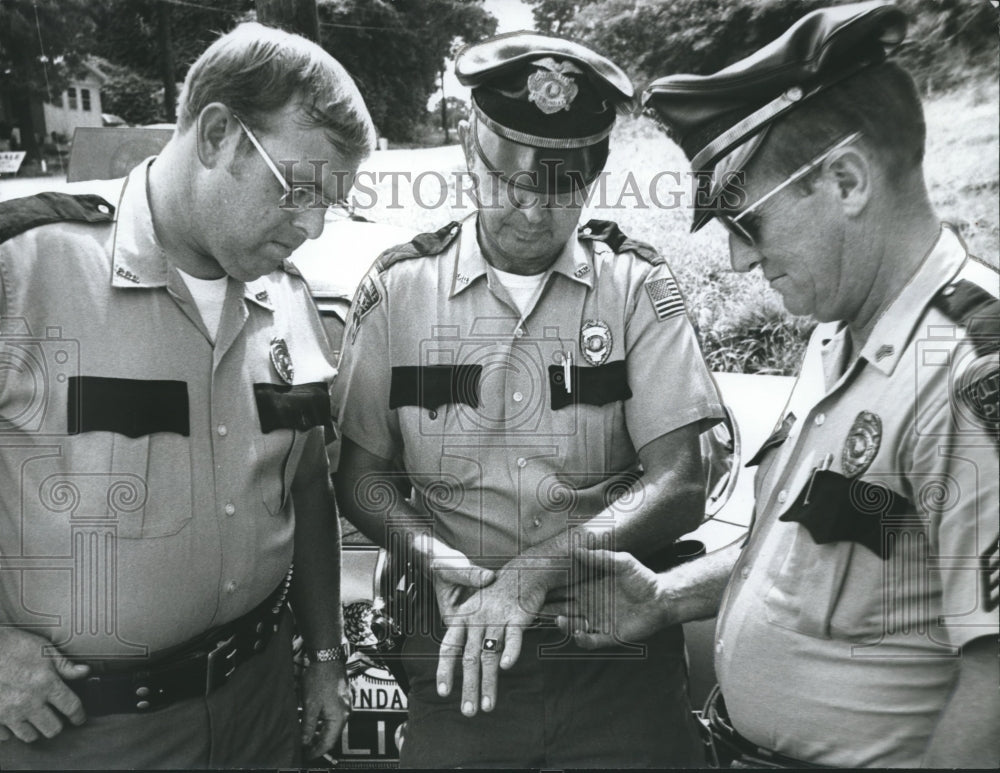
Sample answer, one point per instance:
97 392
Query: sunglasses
741 230
302 196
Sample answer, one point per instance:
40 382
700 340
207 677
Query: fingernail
442 689
505 662
487 704
468 708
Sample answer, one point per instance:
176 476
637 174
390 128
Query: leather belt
730 749
191 670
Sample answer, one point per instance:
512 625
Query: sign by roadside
10 161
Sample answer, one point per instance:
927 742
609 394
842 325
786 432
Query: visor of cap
543 170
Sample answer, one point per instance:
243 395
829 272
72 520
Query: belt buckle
210 663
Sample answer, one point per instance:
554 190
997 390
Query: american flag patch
665 297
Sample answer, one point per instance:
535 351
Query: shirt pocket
285 414
147 489
149 486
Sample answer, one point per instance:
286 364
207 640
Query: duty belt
190 670
727 748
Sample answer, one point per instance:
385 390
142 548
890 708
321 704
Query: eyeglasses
742 232
301 196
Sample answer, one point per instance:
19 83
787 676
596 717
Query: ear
214 134
852 174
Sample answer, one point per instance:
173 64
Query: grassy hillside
742 323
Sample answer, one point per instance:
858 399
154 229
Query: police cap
544 107
726 115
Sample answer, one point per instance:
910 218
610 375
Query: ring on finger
491 645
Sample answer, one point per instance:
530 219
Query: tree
298 16
42 42
555 17
159 39
395 51
455 110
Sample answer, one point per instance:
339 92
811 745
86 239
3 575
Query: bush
132 97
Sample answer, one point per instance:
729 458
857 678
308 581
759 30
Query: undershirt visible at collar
522 289
209 296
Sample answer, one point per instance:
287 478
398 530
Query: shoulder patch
20 215
421 246
609 233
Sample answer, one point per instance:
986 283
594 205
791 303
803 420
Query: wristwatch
339 654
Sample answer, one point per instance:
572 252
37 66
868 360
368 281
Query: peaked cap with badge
543 108
725 116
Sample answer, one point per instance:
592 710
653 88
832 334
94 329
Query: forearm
693 590
966 733
316 582
373 497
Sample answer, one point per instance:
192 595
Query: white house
78 105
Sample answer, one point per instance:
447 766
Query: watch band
327 654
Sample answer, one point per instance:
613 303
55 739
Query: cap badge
549 88
282 360
862 444
595 341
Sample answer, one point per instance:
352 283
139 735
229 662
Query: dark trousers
250 722
559 707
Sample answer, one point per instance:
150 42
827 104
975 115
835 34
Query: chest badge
595 341
282 360
862 444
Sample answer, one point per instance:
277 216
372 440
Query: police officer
858 625
163 415
536 382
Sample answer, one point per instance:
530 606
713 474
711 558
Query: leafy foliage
650 38
396 50
131 96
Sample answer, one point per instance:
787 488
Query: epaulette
421 246
20 215
967 304
608 232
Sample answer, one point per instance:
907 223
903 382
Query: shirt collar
574 261
892 332
137 257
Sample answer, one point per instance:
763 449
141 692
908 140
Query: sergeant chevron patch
665 297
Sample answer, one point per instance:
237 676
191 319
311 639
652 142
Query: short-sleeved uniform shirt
441 374
876 512
145 472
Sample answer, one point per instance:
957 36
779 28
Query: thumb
67 669
598 558
470 576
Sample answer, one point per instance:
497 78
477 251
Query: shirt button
718 646
519 332
103 209
230 508
223 430
518 397
745 572
522 462
432 414
820 418
782 496
536 522
231 586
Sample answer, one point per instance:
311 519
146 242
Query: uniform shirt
837 640
440 373
144 473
